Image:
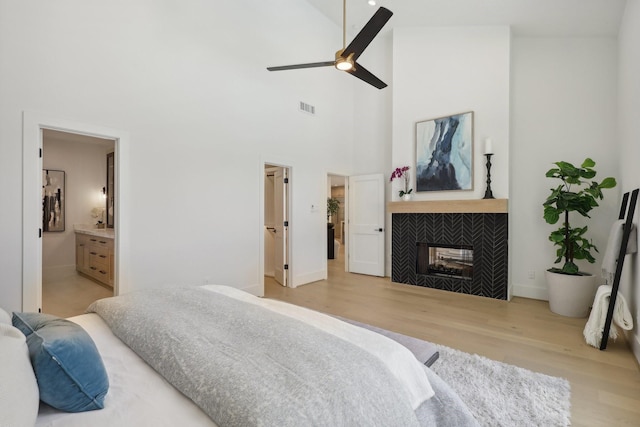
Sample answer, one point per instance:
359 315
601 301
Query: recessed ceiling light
372 2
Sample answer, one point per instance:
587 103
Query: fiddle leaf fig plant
576 192
333 206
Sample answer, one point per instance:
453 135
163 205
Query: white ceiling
526 17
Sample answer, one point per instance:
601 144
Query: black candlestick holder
488 194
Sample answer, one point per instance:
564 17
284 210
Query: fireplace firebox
445 260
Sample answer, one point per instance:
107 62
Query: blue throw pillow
70 373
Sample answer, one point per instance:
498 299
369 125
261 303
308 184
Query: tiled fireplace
458 246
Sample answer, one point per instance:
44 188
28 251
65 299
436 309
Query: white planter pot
406 197
569 295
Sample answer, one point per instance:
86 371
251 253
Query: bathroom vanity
94 253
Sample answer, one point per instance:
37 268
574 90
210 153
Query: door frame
288 242
32 125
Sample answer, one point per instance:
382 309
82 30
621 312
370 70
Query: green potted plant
333 206
570 290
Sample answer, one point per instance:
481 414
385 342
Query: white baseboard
634 343
58 272
533 292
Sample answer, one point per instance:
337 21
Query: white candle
488 148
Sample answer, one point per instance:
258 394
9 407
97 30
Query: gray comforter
234 361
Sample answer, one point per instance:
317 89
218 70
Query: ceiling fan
345 58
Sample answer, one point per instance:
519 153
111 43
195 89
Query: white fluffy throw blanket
595 325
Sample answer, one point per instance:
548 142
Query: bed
214 355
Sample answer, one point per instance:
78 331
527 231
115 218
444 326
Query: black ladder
626 231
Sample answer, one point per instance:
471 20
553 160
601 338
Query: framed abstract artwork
53 204
444 153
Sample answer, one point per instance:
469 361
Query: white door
281 225
366 224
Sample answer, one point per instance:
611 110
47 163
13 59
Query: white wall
190 87
85 176
563 108
449 70
537 98
629 154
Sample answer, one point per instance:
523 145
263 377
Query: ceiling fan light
344 65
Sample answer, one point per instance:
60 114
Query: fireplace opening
444 260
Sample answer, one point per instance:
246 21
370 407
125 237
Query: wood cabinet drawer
99 272
94 257
97 259
100 242
99 251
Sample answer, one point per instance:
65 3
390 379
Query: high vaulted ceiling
526 17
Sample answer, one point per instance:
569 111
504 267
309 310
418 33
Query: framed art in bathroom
444 153
53 203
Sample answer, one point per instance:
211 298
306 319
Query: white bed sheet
138 395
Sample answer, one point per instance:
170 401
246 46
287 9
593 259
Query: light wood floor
605 385
71 295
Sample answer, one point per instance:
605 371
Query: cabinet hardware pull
102 256
93 268
102 241
94 240
103 272
93 253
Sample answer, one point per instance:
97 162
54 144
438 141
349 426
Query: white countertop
108 233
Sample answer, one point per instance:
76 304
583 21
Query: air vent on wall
307 108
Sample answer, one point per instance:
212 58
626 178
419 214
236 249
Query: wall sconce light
104 192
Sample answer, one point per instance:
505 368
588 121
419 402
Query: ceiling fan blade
368 33
365 75
297 66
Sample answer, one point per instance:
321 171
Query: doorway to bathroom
77 253
34 126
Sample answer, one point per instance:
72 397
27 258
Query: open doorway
34 125
336 223
276 224
78 232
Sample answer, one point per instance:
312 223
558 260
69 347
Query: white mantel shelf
450 206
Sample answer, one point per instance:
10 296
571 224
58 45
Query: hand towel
595 325
613 248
